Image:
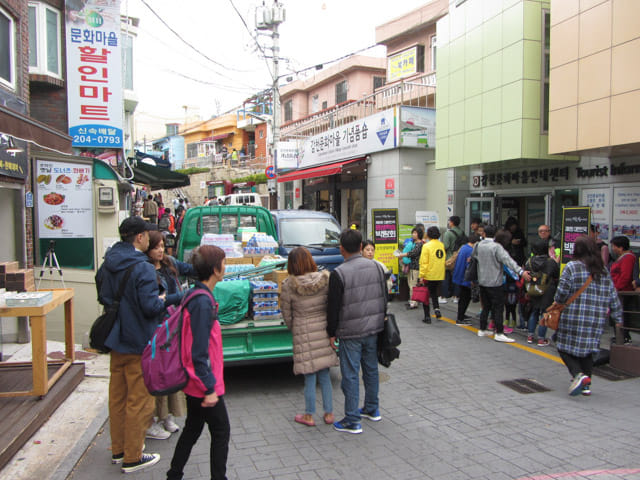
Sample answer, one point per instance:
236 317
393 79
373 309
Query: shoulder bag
551 317
103 325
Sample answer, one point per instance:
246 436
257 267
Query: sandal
305 419
329 418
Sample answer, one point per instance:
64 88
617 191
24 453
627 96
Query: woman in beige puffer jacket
303 302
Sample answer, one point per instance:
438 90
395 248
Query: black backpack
460 241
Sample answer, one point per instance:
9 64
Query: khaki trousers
174 404
130 406
414 276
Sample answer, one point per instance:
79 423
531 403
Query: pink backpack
162 367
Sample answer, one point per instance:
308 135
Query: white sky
315 31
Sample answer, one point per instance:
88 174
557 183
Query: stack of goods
237 271
20 281
225 241
261 244
6 267
265 297
28 299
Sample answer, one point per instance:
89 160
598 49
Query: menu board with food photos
65 199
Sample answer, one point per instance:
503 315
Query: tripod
50 260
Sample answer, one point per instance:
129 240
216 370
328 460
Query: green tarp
233 300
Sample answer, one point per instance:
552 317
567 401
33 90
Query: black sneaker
437 312
119 457
427 320
463 323
146 460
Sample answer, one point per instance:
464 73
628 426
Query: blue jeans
536 313
310 391
353 353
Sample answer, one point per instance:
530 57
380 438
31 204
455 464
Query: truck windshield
310 231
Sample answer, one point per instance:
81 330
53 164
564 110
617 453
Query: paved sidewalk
445 417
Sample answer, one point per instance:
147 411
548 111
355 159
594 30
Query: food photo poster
65 200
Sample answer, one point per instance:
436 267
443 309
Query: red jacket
622 272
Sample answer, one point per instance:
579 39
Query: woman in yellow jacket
432 270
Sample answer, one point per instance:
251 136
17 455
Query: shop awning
158 177
322 171
22 126
215 137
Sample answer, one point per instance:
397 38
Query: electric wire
264 55
189 44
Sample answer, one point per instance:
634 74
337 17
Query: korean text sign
385 236
575 222
94 74
64 199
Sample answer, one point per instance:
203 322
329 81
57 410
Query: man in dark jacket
355 315
130 404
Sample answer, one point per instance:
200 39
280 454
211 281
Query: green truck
245 341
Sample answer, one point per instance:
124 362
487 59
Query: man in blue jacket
130 404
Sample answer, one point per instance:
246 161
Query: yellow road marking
535 350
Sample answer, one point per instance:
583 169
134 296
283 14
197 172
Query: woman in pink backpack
203 360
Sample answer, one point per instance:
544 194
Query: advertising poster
94 73
599 199
402 64
385 236
575 222
374 133
287 156
389 187
626 213
427 218
65 200
417 127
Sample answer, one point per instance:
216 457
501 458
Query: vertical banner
575 222
385 236
94 73
599 199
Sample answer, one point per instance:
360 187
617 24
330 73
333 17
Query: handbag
420 294
551 316
388 341
450 263
103 325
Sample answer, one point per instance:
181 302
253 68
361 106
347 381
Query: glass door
479 207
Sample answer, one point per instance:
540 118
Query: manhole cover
610 373
525 385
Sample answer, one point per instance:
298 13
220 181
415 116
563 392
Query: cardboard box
238 260
8 267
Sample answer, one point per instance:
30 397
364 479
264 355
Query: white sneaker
170 424
156 432
501 337
485 333
455 299
442 300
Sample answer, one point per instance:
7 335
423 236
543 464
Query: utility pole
268 18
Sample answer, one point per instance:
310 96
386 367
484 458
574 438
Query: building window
546 31
378 82
44 40
341 92
261 133
192 150
7 50
288 110
324 105
433 53
315 103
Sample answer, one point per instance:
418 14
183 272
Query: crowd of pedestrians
336 318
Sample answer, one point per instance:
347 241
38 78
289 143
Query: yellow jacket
432 260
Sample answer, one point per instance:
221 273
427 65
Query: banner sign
367 135
65 199
427 218
575 222
599 199
94 73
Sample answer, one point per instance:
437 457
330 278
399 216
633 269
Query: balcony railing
216 161
417 92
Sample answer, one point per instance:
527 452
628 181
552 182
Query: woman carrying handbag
584 319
